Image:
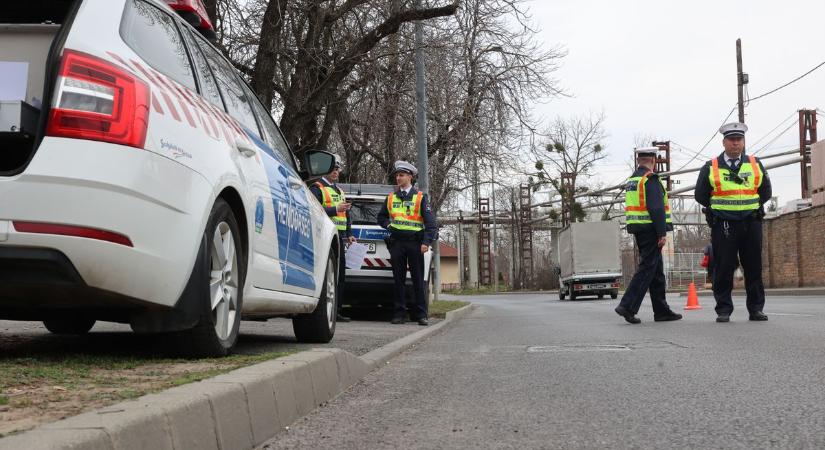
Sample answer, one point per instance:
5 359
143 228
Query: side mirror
318 163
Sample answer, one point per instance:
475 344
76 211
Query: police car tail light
577 287
99 101
71 230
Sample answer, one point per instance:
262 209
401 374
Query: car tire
601 296
319 325
225 268
572 296
614 295
70 325
561 293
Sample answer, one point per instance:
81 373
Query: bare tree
306 53
482 68
573 147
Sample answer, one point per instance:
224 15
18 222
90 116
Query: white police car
374 277
142 182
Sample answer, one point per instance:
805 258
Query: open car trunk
30 36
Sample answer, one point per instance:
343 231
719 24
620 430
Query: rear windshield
152 34
365 213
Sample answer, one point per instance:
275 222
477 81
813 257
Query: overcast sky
668 69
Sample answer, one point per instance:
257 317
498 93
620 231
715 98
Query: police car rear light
71 230
577 287
98 101
615 285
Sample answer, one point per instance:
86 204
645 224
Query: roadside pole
421 142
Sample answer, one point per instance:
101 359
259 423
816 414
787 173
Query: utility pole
421 142
807 136
493 229
741 80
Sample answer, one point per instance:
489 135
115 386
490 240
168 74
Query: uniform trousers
734 242
649 276
404 254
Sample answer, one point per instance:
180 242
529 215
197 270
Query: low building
449 266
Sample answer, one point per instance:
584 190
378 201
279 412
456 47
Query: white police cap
404 166
646 151
733 129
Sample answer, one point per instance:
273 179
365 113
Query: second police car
156 190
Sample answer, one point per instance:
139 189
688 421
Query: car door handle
295 183
245 149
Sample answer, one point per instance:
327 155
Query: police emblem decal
259 215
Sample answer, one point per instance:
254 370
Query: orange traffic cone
693 299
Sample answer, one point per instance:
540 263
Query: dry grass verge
48 388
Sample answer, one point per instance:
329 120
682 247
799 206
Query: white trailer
590 261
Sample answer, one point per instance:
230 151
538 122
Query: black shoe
398 320
423 322
667 317
758 316
723 318
630 318
342 318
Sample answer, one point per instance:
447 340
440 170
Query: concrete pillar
472 255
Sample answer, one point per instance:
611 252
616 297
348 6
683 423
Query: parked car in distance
372 283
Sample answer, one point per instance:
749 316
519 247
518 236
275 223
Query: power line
788 83
775 138
794 113
702 150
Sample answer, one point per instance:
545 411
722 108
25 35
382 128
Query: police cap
646 151
404 166
733 130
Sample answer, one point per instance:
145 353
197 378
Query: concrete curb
237 410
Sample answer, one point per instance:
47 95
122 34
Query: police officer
647 214
337 208
406 214
733 187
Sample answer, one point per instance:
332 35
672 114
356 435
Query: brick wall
793 249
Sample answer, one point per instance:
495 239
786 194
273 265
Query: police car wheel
220 319
319 325
69 325
614 295
572 296
561 294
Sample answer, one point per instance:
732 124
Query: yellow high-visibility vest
332 199
635 209
735 192
405 215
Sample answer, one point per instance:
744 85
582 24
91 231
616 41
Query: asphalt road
370 330
529 371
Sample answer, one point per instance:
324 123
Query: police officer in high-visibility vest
406 214
337 208
647 214
733 187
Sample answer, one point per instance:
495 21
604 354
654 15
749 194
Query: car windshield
365 213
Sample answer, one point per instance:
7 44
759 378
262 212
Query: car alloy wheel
223 282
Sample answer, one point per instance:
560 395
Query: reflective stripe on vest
635 209
405 215
727 194
332 199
